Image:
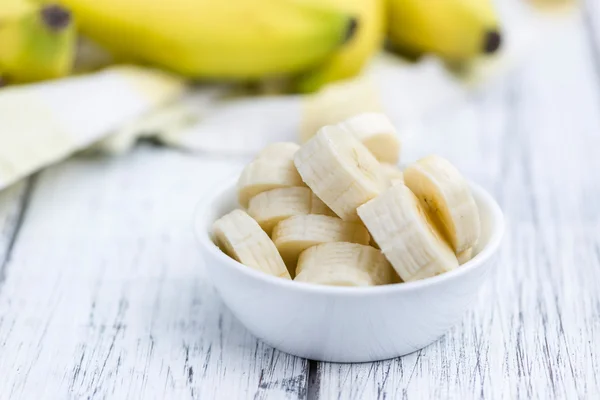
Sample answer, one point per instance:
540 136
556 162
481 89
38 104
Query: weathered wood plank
535 330
107 296
13 204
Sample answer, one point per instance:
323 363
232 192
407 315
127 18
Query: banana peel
351 58
454 30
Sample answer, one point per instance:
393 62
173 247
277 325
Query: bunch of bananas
313 42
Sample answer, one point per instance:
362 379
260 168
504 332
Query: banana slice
263 174
406 235
465 256
279 150
340 170
392 173
272 168
377 133
294 235
241 238
344 264
447 197
270 207
337 275
338 101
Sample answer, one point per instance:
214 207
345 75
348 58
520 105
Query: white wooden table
103 293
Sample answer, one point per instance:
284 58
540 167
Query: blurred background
230 77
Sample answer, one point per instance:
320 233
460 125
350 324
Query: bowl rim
202 213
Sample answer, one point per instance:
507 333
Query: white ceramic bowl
346 324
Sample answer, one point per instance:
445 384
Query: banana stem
56 17
492 42
353 27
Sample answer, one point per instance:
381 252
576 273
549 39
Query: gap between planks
14 203
314 380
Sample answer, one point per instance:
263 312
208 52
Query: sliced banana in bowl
344 264
465 255
447 197
240 237
376 132
337 323
340 171
406 235
384 260
272 168
270 207
294 235
392 173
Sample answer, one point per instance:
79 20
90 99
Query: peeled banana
377 133
273 168
294 235
344 264
446 195
340 170
37 41
270 207
240 237
234 39
406 234
465 256
392 173
456 30
337 216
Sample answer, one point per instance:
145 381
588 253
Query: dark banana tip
351 29
492 42
56 17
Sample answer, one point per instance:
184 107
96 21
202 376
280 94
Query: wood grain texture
13 205
106 296
535 330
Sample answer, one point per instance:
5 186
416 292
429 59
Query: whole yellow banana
36 41
456 30
232 39
349 60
